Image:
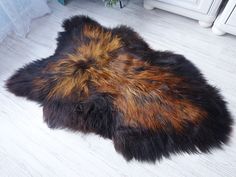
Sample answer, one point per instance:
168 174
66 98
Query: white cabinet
195 5
226 22
204 11
232 18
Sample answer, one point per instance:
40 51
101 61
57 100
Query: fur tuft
76 22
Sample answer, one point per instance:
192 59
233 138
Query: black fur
98 115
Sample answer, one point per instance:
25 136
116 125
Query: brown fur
144 98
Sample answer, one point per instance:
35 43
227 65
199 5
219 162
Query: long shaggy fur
109 82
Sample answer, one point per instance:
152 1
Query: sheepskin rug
108 81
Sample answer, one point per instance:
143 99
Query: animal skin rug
108 81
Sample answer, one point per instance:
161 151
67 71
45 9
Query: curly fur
109 82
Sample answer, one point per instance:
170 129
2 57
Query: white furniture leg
226 21
217 31
148 6
205 24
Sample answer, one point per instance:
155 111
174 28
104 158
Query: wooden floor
29 148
